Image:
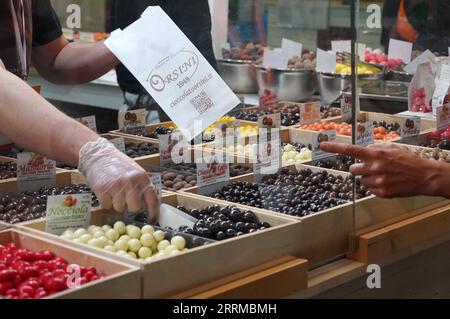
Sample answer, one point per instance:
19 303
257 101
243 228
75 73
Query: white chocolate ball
144 252
105 228
112 234
95 243
121 245
159 235
125 238
132 255
163 245
168 250
147 240
79 232
93 228
103 241
85 238
133 231
120 227
134 245
99 233
179 242
147 229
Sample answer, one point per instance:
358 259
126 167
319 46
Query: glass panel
399 105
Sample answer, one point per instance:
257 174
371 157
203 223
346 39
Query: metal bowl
331 85
295 85
239 75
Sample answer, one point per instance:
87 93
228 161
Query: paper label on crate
119 143
268 160
326 61
309 113
442 86
67 211
346 108
34 171
442 117
212 170
269 121
410 127
341 46
291 48
400 50
156 180
319 137
173 148
89 122
173 71
133 122
425 57
364 134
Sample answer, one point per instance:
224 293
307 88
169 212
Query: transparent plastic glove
116 179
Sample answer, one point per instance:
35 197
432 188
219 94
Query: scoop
174 218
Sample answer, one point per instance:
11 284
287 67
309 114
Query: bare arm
67 63
390 171
30 121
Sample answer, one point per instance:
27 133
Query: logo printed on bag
169 73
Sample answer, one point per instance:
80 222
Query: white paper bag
173 71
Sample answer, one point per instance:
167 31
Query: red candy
25 274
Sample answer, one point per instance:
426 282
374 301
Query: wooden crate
121 280
328 234
372 116
199 267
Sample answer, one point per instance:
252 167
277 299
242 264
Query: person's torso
16 35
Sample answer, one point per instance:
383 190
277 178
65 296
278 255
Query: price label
364 134
173 148
34 171
268 157
133 122
119 143
89 122
442 86
309 113
442 117
157 183
346 108
67 211
270 121
213 170
410 127
319 137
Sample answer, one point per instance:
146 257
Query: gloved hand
118 181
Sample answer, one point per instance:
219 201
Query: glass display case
343 131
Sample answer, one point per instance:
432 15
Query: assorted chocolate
305 61
249 51
296 193
32 205
220 223
8 170
341 163
176 177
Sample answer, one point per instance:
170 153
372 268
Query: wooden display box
370 117
193 271
63 178
328 234
121 280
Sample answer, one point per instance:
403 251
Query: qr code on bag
202 102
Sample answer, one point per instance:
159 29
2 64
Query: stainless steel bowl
239 75
288 84
331 85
